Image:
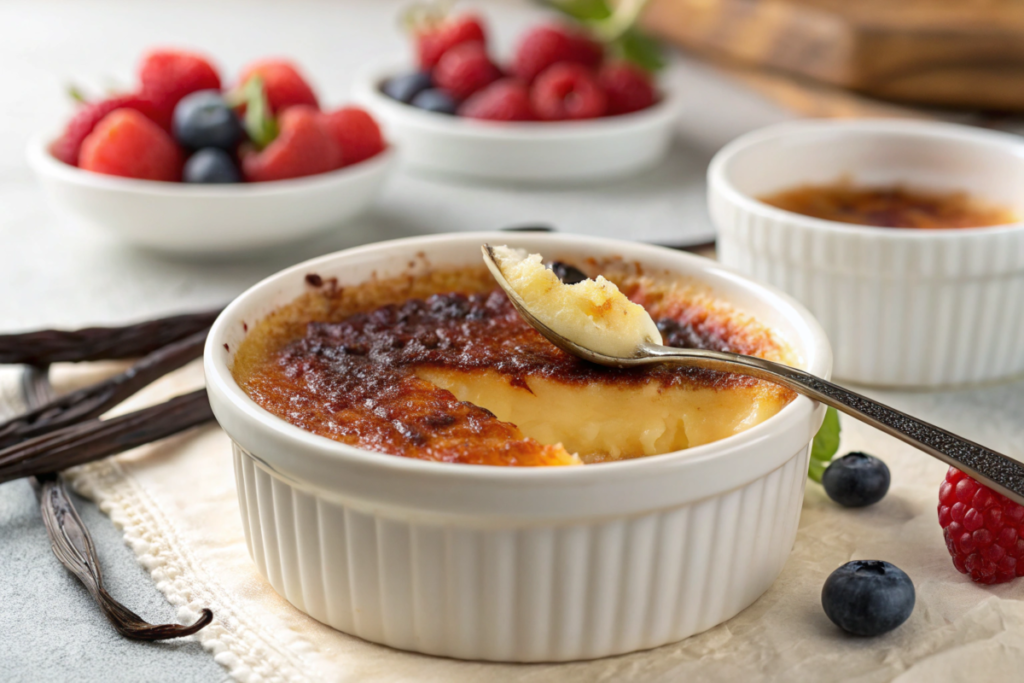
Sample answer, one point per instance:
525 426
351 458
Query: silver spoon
995 470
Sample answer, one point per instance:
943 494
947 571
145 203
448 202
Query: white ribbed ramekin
902 307
516 564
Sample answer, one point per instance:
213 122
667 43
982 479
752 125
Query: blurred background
742 64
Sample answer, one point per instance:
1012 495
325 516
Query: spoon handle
993 469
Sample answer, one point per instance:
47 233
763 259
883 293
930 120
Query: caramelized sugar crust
890 207
341 363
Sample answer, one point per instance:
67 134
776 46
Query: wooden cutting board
962 53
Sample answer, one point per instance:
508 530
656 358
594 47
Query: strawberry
504 100
168 75
68 146
545 46
303 147
283 84
464 69
628 88
356 134
127 143
568 91
434 38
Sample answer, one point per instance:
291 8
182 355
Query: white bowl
524 152
211 219
516 564
902 307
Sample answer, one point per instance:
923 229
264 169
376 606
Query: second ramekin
902 307
516 564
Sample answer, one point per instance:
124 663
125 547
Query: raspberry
168 75
628 88
464 69
984 530
545 46
127 143
504 100
68 146
356 134
303 147
283 84
436 38
568 91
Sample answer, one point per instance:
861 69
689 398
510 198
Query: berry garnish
504 100
356 134
211 165
568 91
545 46
435 34
569 275
303 147
435 100
984 530
628 88
166 76
127 143
68 146
283 84
868 597
856 480
204 119
404 88
464 69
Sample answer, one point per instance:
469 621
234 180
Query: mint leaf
826 445
581 10
259 122
640 49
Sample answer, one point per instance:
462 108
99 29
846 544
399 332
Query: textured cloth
176 504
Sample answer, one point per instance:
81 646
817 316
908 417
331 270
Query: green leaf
581 10
826 445
259 123
640 49
77 94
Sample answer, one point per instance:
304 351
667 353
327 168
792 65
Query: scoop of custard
592 313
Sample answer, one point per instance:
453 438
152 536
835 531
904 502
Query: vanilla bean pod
73 546
94 400
96 439
44 347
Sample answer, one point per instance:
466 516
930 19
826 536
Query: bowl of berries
570 106
186 165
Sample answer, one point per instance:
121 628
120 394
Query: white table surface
53 273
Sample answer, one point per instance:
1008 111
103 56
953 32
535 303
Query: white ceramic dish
902 307
522 152
210 219
516 564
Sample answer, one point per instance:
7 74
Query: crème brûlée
438 365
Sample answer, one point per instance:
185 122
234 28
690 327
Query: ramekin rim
719 181
220 381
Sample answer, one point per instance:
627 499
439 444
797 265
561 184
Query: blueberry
569 275
211 165
868 597
204 119
856 480
407 86
435 100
